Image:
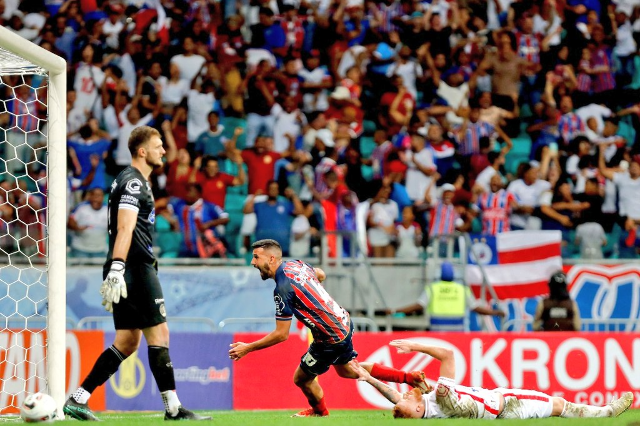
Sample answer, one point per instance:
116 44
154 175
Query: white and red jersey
449 400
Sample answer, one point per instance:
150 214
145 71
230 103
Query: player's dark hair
266 245
140 136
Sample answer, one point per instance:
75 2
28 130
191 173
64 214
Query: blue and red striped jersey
299 293
496 209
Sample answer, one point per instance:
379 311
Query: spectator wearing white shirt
89 223
527 190
188 62
87 81
382 215
288 125
174 88
200 103
129 119
421 167
625 48
628 184
316 79
113 26
407 68
496 160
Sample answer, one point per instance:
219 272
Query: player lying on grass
299 292
449 400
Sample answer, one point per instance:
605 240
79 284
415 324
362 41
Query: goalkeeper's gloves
114 286
108 306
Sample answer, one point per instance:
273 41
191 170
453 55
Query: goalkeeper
131 289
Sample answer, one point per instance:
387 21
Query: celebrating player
299 292
449 400
131 289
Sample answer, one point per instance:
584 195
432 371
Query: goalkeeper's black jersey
131 191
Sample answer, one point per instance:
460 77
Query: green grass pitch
342 418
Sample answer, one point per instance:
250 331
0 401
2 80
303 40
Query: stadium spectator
189 62
92 143
168 237
260 163
174 88
496 206
259 101
274 215
558 312
628 184
447 303
200 101
89 223
178 167
214 183
527 189
381 232
421 167
201 224
409 235
450 400
211 142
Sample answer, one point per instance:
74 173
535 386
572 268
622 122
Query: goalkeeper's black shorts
144 306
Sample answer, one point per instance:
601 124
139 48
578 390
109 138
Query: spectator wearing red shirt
178 168
215 183
260 163
396 107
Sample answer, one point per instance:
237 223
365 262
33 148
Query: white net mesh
23 213
11 64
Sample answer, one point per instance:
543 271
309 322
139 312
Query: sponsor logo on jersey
152 216
129 199
279 304
163 310
133 186
114 185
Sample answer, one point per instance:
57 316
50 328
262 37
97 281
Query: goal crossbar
56 67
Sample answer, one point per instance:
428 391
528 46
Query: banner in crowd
517 264
202 370
586 369
22 365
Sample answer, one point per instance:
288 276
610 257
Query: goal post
26 58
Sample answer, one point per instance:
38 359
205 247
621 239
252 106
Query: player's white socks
572 410
81 395
171 402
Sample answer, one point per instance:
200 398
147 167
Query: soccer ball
38 407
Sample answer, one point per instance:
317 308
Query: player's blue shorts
321 356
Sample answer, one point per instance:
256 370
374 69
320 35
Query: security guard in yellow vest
447 303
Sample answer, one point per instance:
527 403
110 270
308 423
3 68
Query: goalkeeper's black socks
162 369
107 364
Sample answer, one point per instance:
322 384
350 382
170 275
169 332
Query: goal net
32 222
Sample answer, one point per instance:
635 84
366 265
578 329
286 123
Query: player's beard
264 271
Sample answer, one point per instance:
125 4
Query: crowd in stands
391 120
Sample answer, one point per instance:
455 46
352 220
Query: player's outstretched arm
363 375
280 334
444 355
